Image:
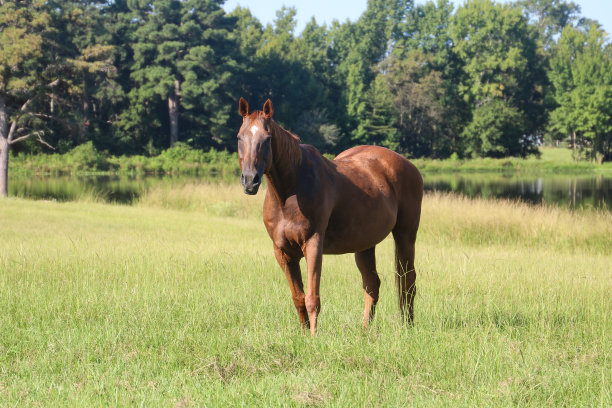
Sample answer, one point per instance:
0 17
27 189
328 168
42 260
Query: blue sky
325 11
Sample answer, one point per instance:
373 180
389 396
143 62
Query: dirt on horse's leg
366 262
405 273
291 267
313 251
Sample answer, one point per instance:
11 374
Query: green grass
172 304
552 160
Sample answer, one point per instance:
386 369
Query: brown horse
316 206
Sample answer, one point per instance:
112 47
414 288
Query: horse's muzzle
250 182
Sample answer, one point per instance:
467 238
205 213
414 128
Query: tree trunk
4 160
4 147
173 102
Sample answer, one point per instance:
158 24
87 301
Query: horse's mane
286 151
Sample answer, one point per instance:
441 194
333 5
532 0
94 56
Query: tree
22 25
294 71
183 56
423 74
418 96
496 130
550 17
500 62
581 73
357 49
81 45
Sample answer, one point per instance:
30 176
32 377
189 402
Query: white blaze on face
254 129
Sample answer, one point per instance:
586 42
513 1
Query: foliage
497 130
581 72
504 77
179 159
418 98
181 72
429 80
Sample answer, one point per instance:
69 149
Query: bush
86 157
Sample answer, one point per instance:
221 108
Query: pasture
178 301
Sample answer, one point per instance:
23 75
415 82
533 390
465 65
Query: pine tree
183 56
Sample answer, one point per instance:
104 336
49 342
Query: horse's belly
355 230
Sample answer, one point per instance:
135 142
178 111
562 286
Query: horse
315 206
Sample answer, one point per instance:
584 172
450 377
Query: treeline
480 79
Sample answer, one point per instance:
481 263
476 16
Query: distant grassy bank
551 160
178 301
182 159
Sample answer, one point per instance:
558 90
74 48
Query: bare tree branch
38 134
24 137
43 142
39 115
14 124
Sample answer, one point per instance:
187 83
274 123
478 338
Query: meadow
178 301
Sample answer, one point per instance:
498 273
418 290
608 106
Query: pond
569 191
593 191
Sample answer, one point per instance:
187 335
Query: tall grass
213 198
174 304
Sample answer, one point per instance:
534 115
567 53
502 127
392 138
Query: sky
325 11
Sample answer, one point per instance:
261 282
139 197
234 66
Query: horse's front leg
291 267
313 250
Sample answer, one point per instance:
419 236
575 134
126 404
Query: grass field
179 302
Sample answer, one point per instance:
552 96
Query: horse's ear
268 110
243 107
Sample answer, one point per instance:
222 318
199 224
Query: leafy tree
294 71
424 74
418 96
358 48
496 130
550 17
581 72
500 62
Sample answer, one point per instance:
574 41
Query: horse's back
375 188
397 169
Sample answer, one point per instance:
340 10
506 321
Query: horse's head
254 145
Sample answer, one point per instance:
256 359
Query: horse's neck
286 160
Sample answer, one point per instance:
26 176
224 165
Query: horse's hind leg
366 262
405 273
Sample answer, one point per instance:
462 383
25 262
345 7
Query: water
594 191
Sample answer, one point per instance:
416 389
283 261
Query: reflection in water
564 191
113 189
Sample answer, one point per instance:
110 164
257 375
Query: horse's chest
289 234
288 228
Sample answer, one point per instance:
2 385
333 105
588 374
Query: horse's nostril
256 179
242 179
